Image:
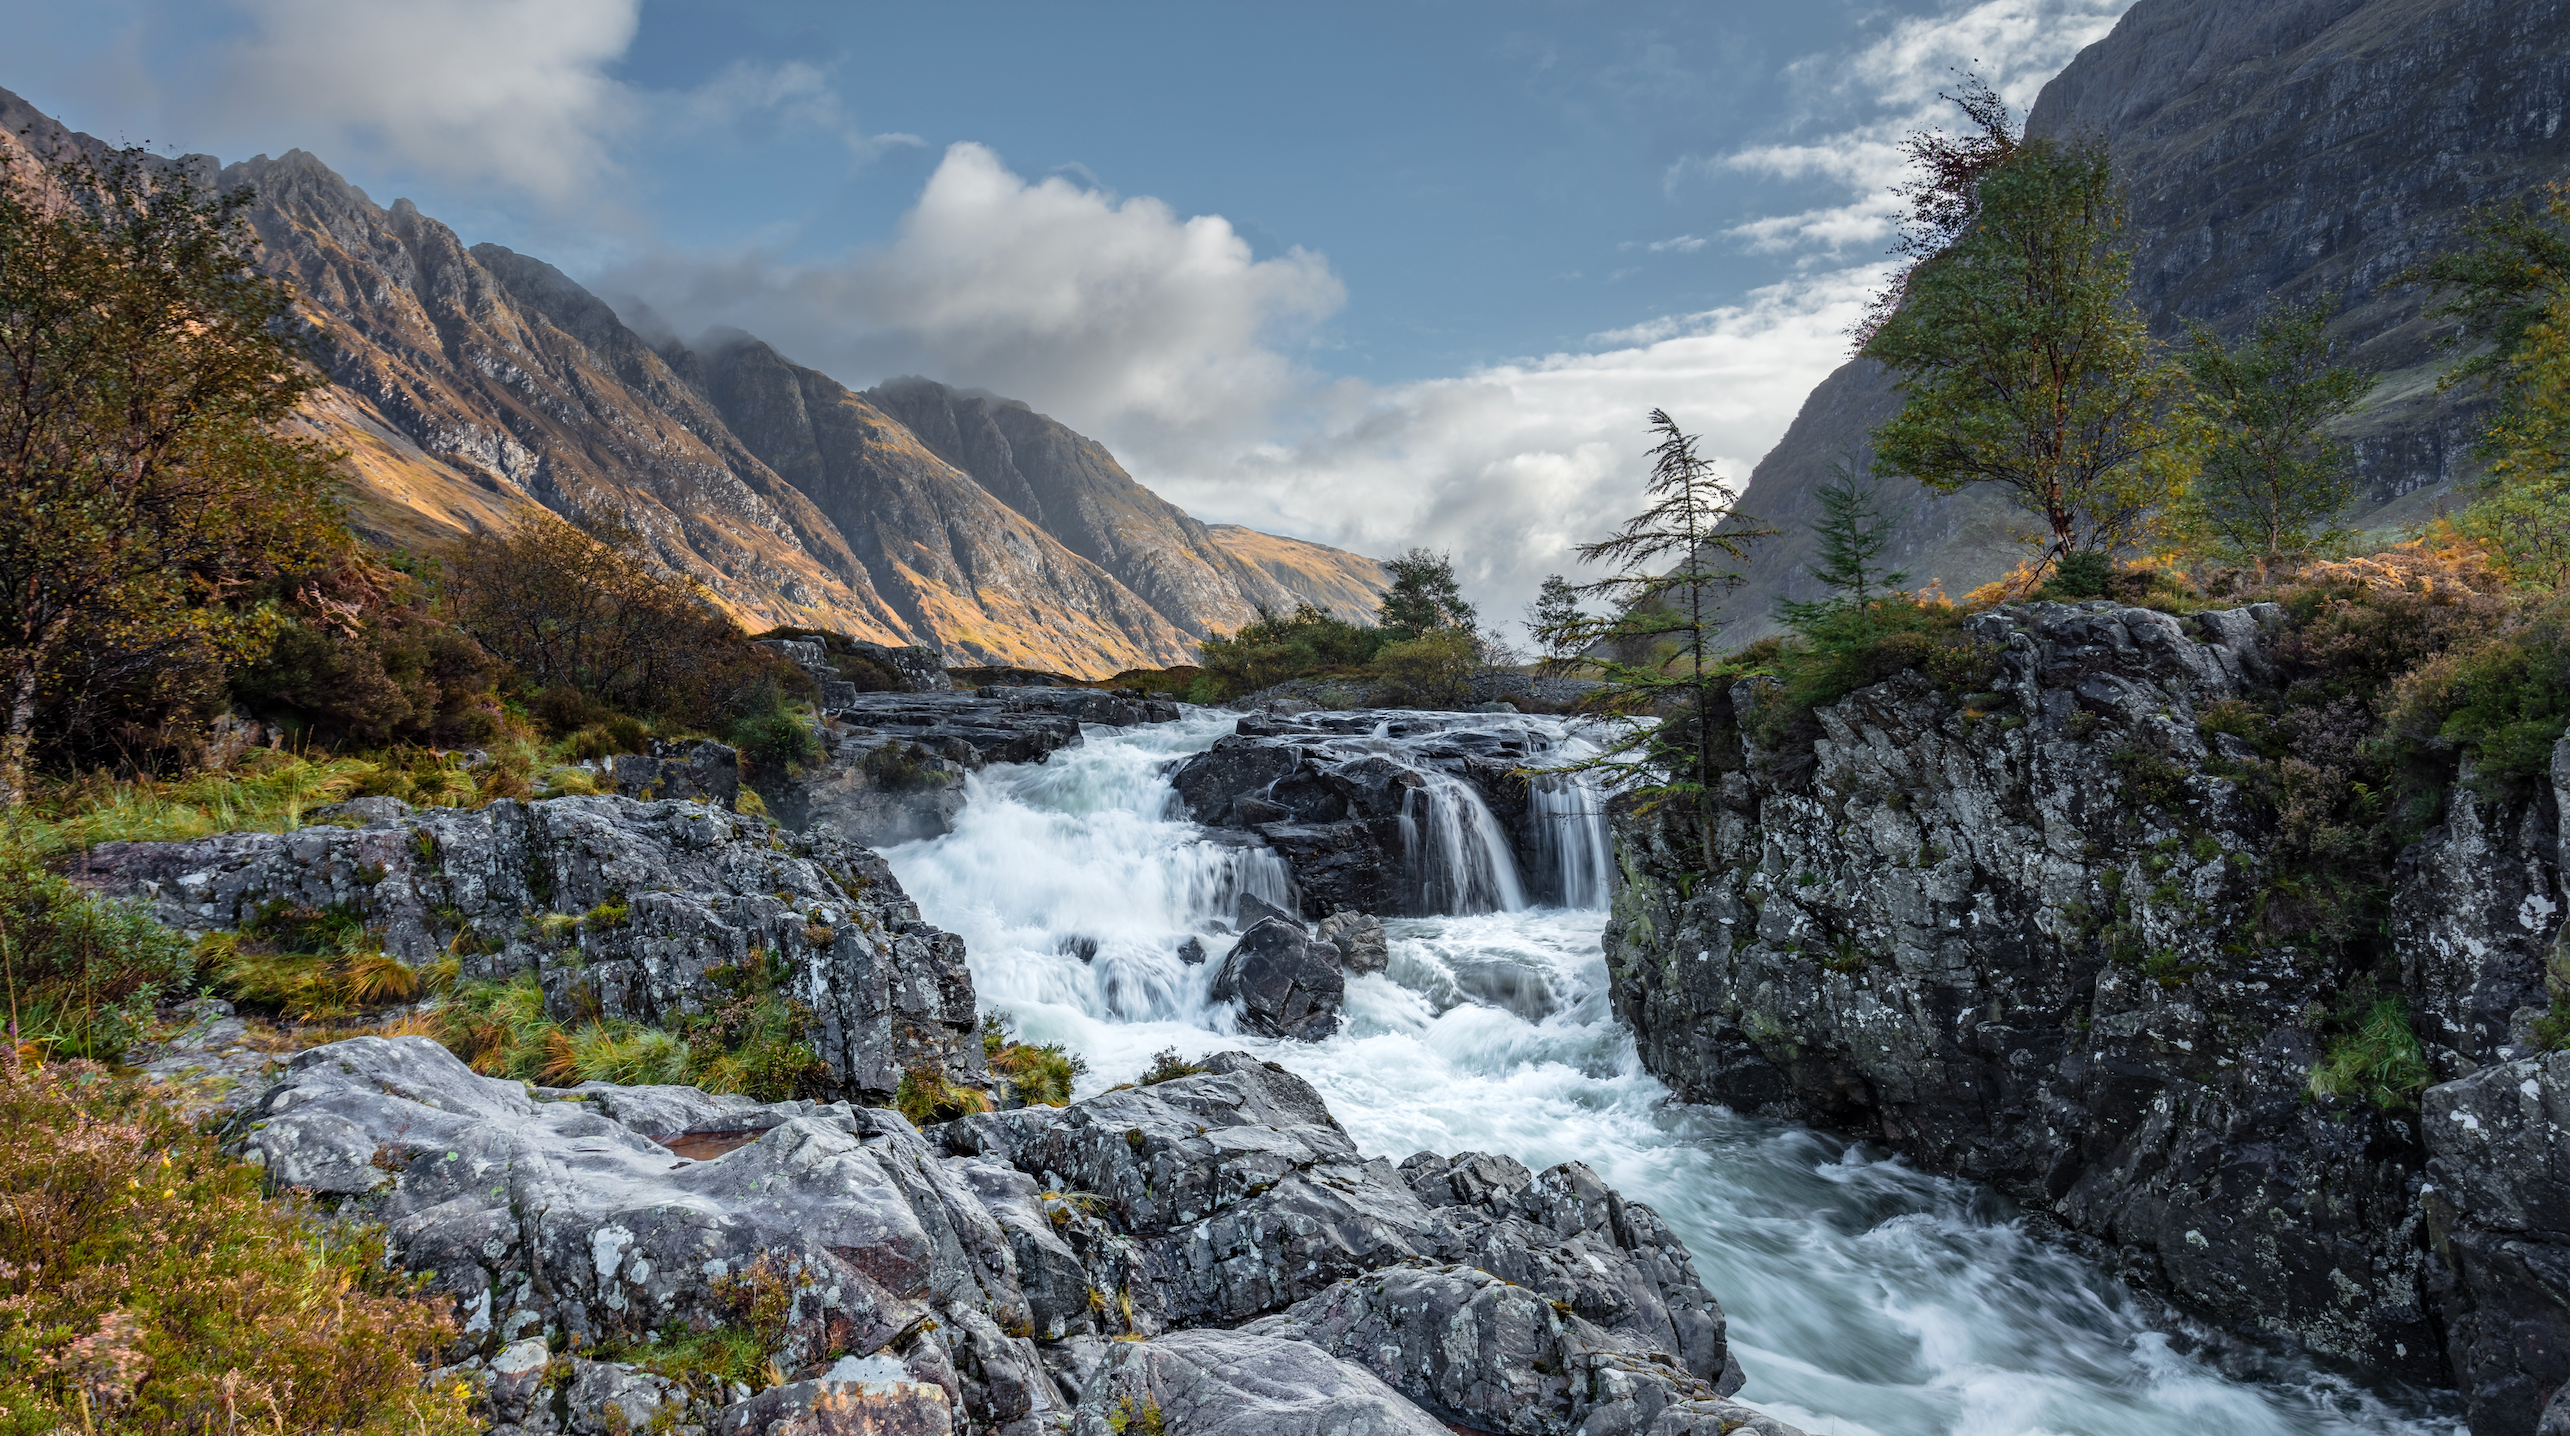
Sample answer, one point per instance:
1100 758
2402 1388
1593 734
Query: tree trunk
25 667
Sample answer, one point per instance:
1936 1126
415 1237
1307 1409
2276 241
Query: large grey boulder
1230 1383
700 889
1288 984
1359 938
975 1272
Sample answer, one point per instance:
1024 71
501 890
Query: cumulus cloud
1117 309
510 92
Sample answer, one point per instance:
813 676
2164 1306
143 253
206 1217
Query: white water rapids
1865 1298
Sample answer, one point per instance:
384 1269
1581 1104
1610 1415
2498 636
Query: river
1865 1298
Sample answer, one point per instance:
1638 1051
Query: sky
1409 272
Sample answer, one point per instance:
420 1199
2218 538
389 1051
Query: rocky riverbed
1206 1254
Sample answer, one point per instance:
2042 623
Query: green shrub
927 1098
82 973
1037 1076
1168 1066
1433 670
146 1287
2377 1060
777 740
1277 647
307 963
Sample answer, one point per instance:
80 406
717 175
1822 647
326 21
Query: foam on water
1866 1299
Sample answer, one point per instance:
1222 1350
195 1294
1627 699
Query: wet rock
1288 984
2498 1210
1191 951
1229 1383
646 898
2477 902
1353 864
2556 1415
1253 910
2003 932
1359 939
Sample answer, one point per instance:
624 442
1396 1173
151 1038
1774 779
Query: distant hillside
1332 580
2286 147
470 383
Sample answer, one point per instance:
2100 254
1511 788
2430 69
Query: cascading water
1866 1299
1456 853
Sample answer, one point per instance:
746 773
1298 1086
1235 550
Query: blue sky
1379 274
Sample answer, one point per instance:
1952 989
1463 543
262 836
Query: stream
1865 1298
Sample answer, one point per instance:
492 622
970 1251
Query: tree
2023 362
1853 532
1424 596
1943 191
2272 481
144 369
1557 621
1663 674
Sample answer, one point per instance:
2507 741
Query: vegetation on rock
147 1286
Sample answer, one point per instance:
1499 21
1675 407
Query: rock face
1439 823
2002 932
2498 1211
973 1275
700 888
2273 147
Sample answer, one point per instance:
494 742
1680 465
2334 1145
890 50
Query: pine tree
1853 532
1664 678
2272 482
1557 622
1424 596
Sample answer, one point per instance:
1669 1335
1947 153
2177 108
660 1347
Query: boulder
1288 984
971 1273
1359 938
697 769
646 898
1231 1383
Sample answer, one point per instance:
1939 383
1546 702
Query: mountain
2292 148
1329 579
469 383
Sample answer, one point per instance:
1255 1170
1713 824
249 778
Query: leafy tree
1557 621
2509 288
144 370
2272 481
1276 647
1664 676
2024 363
1944 190
1853 532
1424 596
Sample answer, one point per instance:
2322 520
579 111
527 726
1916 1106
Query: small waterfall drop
1456 855
1865 1298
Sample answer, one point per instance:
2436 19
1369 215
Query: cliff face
470 384
2014 933
2292 148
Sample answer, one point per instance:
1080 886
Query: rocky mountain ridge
469 383
2292 148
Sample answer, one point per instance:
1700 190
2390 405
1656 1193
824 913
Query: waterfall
1566 823
1865 1298
1454 852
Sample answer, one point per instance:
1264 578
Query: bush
1168 1066
146 1287
308 963
1278 647
83 974
757 1043
1433 670
1036 1076
927 1098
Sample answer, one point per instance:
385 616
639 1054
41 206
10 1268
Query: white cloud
1106 308
513 92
